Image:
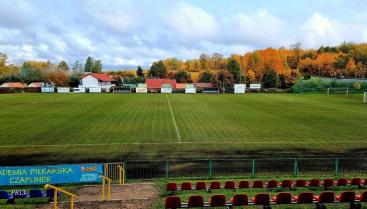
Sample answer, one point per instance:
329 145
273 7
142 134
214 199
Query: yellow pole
120 175
109 189
123 175
72 202
103 188
55 199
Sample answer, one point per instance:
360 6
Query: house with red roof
16 85
96 80
154 85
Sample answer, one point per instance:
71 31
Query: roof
100 76
204 85
181 85
35 85
13 85
157 83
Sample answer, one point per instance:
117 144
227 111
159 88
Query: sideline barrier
104 179
56 190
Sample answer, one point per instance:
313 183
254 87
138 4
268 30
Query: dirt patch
127 196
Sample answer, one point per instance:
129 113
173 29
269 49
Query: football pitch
85 127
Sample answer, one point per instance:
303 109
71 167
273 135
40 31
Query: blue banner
52 174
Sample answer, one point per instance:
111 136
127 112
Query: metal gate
112 171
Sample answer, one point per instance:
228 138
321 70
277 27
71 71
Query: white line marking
168 143
174 120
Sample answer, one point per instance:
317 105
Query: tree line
271 67
60 74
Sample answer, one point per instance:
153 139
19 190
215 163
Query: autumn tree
225 80
63 66
97 66
77 67
204 60
270 79
158 70
58 77
32 71
206 77
234 68
183 77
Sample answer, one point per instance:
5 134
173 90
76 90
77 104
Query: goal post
365 97
337 90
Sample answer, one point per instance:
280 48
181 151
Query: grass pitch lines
173 119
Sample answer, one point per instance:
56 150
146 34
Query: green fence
244 168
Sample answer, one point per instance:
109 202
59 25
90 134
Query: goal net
337 91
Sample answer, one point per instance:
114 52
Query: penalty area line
174 120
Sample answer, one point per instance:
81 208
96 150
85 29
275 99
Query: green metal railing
245 168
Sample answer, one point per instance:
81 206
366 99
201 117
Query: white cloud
260 29
191 22
319 30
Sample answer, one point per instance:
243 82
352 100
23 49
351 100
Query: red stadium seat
362 197
328 183
171 187
283 198
195 201
261 199
186 186
200 185
304 198
286 184
356 182
272 184
300 183
173 202
314 183
342 182
244 184
217 200
215 185
258 184
348 196
326 197
229 185
239 200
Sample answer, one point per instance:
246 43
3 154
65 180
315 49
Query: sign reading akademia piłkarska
53 174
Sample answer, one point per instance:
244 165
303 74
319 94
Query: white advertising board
63 90
95 90
239 88
79 90
166 90
255 86
141 90
190 90
47 90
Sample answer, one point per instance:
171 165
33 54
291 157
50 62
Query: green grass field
87 127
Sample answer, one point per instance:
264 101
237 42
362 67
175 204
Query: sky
139 32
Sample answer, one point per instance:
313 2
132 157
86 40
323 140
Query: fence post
336 166
210 168
166 170
125 171
253 168
295 168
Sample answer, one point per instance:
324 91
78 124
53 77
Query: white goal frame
338 90
365 97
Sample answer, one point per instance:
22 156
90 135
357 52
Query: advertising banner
63 90
141 90
255 86
79 90
52 174
239 88
95 90
47 90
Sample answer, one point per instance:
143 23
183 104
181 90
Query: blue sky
128 32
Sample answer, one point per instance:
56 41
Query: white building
94 80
